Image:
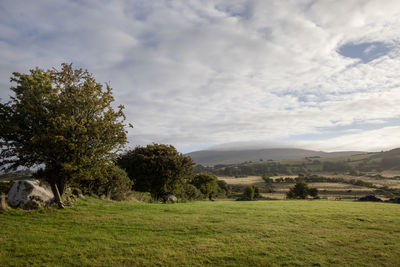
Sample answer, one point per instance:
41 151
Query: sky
321 75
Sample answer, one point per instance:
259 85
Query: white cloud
209 72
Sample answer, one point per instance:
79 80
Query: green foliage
141 196
190 192
158 169
224 190
62 120
113 183
313 191
206 183
354 165
256 192
248 192
301 190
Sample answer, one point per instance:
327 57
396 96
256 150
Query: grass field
222 233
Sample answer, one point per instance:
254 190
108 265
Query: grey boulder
29 194
170 198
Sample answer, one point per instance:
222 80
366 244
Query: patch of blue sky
366 52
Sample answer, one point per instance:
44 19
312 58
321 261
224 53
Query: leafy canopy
62 120
302 190
159 169
206 183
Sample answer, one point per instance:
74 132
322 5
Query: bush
248 193
301 190
190 192
112 183
206 183
158 169
256 192
313 192
224 190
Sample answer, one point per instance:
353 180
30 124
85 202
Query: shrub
313 192
224 190
112 182
190 192
206 183
301 190
158 169
256 192
248 193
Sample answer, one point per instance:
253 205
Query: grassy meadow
221 233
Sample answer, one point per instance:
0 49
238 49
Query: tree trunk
4 205
57 196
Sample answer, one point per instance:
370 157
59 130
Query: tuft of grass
222 233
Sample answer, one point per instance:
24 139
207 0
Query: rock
170 198
29 194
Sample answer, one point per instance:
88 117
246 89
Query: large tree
158 169
62 121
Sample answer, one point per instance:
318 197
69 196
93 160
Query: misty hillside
213 157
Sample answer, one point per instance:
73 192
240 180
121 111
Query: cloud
210 72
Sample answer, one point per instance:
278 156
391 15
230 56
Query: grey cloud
208 72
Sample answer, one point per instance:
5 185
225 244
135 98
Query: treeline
244 169
316 179
277 168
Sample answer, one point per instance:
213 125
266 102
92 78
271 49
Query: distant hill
389 159
214 157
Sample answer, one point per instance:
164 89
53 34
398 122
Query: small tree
301 190
313 191
248 193
224 190
62 120
207 184
158 169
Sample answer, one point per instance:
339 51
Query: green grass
221 233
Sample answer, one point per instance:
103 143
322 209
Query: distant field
242 181
391 173
221 233
326 190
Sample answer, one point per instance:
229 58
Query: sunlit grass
220 233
